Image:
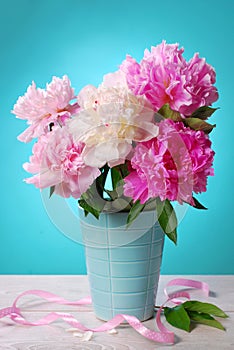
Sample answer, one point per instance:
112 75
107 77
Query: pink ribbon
161 336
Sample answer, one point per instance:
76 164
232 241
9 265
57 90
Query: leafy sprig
191 312
197 120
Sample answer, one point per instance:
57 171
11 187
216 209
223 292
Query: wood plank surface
55 337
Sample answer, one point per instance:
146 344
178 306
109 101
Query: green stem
101 180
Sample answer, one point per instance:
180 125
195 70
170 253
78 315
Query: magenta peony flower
171 166
57 161
42 107
200 78
164 76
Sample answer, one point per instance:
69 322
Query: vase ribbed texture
123 264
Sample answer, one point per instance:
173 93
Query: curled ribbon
161 336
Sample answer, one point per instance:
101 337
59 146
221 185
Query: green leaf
178 317
88 208
116 177
112 194
198 205
92 200
198 124
168 113
124 169
118 173
203 112
167 218
194 305
206 319
101 180
135 210
52 188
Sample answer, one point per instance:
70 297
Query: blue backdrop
85 40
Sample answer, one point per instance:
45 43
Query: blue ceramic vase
123 264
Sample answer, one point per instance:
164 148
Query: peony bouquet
138 140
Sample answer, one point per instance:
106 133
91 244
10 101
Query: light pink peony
110 118
42 107
58 161
164 76
171 166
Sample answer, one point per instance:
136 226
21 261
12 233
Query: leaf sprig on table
191 312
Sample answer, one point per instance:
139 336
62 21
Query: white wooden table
54 337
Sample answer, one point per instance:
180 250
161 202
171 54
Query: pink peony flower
200 78
42 108
171 166
164 76
57 160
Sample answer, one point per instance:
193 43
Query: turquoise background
85 40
